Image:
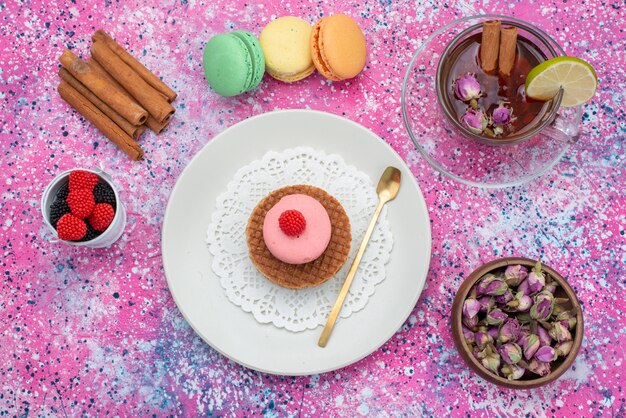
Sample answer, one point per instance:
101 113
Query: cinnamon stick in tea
139 68
145 94
508 48
99 86
129 128
490 45
100 120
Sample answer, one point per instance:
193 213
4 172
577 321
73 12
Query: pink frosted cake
298 236
297 229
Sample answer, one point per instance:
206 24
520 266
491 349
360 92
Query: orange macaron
338 47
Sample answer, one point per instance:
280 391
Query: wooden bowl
558 367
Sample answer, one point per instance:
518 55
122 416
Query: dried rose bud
536 282
509 331
486 303
542 306
482 338
467 87
502 115
567 318
470 322
551 287
491 362
491 285
478 353
513 275
511 353
505 298
530 344
474 120
560 333
523 330
524 288
468 334
536 279
493 332
496 317
545 354
471 307
563 349
512 371
523 317
544 336
558 308
521 302
538 367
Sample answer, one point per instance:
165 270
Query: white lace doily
296 310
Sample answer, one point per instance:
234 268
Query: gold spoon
387 190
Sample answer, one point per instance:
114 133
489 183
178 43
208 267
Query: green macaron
233 63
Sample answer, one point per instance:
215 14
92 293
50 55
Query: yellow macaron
287 49
338 47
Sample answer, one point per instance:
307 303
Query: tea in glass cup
481 82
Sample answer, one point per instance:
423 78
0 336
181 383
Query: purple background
96 332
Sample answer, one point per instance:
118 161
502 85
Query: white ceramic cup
109 236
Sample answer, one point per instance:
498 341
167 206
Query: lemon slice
575 76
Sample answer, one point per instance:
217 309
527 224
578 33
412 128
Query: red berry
292 222
82 180
71 228
81 202
101 216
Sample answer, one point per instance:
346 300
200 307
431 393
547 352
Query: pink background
96 332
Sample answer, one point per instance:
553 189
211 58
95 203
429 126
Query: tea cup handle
566 125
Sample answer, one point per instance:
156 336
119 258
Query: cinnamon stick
129 128
145 94
96 66
100 120
508 48
489 45
139 68
151 123
155 126
103 89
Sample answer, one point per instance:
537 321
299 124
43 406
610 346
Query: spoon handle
334 313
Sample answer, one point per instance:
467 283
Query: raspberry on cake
292 222
308 245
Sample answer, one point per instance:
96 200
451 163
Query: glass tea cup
477 160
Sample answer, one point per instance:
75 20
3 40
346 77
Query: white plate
235 333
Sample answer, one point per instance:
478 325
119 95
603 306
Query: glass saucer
466 159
